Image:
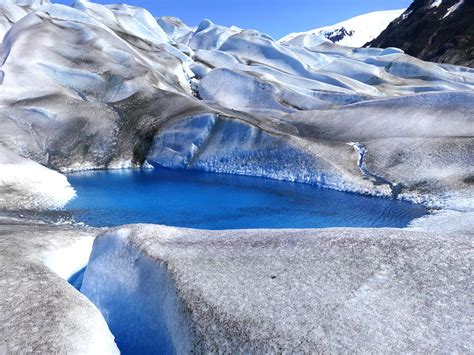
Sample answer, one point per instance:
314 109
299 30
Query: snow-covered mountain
354 32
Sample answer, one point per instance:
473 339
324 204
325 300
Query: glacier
265 291
40 311
113 95
27 185
96 86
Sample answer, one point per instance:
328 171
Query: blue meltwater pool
216 201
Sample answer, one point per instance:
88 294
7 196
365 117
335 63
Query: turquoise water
217 201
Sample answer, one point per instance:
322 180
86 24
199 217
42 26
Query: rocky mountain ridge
434 30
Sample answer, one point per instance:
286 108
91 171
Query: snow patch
25 184
66 261
454 8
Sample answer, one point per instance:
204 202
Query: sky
275 17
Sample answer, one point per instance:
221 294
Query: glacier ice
213 143
130 20
146 289
40 311
10 13
233 89
108 86
210 36
25 184
114 81
260 291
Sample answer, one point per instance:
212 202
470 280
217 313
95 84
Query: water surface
203 200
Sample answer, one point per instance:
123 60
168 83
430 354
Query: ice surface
40 311
95 86
233 89
69 260
210 36
146 290
130 20
9 14
109 83
88 79
282 291
174 27
213 143
25 184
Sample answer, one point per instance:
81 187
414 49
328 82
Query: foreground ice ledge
261 291
39 311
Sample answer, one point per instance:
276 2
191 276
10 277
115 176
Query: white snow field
108 86
354 32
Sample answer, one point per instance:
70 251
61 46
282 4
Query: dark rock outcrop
436 31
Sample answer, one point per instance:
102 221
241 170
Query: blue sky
275 17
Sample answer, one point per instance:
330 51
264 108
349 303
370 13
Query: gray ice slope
39 311
276 291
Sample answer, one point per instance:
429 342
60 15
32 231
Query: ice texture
39 311
130 20
218 144
265 291
25 184
109 84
